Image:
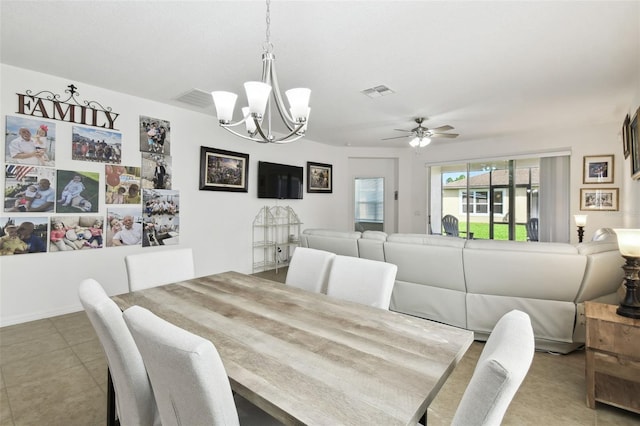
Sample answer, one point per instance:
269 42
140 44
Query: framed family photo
597 169
605 199
319 178
222 170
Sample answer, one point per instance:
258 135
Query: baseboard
34 316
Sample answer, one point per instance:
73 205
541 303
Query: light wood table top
307 358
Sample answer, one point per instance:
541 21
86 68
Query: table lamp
581 222
629 245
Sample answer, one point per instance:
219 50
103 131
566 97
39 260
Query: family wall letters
49 106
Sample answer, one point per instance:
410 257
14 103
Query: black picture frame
634 142
626 137
319 178
222 170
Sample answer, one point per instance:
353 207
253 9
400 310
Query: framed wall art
597 169
626 137
605 199
319 178
634 144
223 170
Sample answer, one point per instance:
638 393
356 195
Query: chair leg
111 402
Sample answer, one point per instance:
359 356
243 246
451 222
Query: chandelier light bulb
303 128
257 95
299 102
249 123
225 102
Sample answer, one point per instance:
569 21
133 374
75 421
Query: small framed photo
605 199
319 178
598 169
223 170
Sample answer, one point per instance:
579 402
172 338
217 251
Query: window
476 203
369 201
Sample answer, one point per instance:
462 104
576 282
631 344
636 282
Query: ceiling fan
421 136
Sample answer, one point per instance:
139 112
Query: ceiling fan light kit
421 136
418 142
259 94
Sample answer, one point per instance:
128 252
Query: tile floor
53 372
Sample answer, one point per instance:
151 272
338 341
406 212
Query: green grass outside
500 231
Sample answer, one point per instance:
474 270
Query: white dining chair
134 398
501 368
146 270
309 269
365 281
188 378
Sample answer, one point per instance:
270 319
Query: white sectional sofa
472 283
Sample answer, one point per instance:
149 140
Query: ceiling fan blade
402 130
442 128
444 135
396 137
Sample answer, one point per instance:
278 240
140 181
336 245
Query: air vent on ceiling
378 91
196 97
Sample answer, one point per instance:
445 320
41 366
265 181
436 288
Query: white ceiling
488 69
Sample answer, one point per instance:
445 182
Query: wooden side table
612 358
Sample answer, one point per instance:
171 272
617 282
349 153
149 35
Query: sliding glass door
490 200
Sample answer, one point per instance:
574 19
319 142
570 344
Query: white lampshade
414 142
629 241
425 141
581 219
225 102
299 102
251 125
257 95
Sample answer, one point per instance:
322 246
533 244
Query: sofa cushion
506 268
604 274
375 235
427 264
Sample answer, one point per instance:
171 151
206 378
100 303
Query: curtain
554 199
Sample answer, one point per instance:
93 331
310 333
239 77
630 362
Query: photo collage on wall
160 204
71 197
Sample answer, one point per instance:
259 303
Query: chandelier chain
268 46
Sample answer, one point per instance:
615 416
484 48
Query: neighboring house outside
527 182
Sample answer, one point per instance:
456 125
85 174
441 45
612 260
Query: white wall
217 225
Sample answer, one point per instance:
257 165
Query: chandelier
259 110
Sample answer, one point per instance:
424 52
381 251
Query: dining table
308 358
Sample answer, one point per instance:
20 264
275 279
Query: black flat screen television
279 181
